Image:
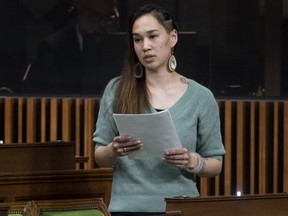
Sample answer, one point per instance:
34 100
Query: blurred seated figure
81 58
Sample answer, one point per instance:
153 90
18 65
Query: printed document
156 131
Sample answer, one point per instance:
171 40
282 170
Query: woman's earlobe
174 41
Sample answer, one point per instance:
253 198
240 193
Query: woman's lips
149 58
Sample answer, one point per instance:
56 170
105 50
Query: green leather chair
70 207
83 212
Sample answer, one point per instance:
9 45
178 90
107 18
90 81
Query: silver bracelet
199 166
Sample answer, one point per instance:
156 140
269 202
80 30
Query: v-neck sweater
142 185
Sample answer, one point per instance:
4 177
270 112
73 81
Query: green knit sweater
142 185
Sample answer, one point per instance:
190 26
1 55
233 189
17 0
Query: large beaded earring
138 70
172 63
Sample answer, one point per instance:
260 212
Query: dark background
223 44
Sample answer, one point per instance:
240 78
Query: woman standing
149 83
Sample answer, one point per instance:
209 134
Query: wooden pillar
240 147
8 120
263 143
252 147
31 120
228 147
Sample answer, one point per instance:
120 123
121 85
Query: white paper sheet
156 131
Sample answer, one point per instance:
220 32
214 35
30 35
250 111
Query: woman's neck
161 80
166 89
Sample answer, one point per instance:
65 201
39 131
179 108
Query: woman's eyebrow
148 32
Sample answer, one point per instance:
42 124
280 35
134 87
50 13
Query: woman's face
152 43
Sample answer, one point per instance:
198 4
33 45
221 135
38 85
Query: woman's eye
136 40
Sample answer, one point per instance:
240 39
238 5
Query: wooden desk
250 205
49 185
28 157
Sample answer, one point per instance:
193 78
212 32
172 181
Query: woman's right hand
106 156
125 144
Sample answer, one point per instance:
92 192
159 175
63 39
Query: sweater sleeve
209 140
106 128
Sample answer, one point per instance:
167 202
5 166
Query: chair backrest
71 207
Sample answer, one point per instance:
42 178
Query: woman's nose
146 44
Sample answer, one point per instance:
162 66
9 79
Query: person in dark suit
79 58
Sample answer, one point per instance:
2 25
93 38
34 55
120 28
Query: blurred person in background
72 60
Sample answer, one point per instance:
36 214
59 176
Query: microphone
31 60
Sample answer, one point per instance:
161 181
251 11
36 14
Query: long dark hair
132 95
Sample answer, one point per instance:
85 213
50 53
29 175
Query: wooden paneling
255 136
26 120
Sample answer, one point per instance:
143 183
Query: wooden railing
29 119
255 135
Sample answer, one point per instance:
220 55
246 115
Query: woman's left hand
181 158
